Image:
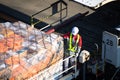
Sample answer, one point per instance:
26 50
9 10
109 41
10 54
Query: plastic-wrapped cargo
51 73
28 51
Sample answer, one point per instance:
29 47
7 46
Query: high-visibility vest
73 48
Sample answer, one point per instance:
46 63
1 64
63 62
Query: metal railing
57 8
53 77
115 74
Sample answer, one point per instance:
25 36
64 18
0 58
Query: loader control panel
111 48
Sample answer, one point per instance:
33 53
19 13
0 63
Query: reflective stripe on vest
72 48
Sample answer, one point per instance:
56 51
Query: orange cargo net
14 60
6 32
3 46
25 63
25 71
14 42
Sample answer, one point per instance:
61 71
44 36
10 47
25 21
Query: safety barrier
56 75
57 7
115 74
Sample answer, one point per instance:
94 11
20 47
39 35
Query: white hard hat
75 30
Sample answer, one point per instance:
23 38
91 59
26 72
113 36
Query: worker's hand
78 51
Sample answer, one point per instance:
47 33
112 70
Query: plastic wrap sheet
29 51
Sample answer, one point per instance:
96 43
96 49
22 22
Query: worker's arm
78 51
80 42
66 36
79 46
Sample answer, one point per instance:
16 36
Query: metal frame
117 71
35 22
53 78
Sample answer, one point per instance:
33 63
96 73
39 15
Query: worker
74 44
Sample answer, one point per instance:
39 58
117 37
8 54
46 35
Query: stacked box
29 51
